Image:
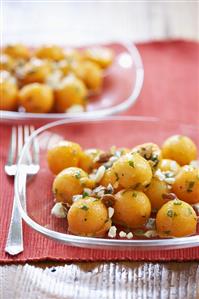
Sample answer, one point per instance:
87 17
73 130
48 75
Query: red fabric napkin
170 91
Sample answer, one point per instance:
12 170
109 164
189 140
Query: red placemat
170 91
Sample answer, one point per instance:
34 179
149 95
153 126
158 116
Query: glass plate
118 131
121 88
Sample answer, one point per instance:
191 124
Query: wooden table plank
120 280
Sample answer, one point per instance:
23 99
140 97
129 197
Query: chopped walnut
108 200
103 157
169 196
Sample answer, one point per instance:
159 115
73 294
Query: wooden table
102 280
139 21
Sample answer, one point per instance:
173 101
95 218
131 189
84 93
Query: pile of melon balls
145 191
51 78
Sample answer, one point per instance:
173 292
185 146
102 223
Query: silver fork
19 135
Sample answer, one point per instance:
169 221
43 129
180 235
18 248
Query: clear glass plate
118 131
121 87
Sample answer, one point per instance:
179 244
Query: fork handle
14 243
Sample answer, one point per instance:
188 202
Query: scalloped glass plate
103 133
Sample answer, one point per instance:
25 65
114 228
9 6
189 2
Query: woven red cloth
170 91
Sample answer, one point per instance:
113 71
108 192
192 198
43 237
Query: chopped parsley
134 194
131 163
85 194
84 207
97 199
125 190
139 232
154 158
168 175
177 202
190 211
171 214
117 176
78 175
190 186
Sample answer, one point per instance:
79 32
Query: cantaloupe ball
132 208
6 62
156 192
17 51
88 159
36 97
35 70
186 185
111 178
71 91
132 170
176 218
179 148
8 94
62 155
69 182
103 56
88 217
90 73
50 52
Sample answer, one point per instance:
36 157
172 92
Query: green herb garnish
84 207
117 176
85 194
170 213
78 175
190 186
139 232
177 202
131 163
134 194
154 158
168 175
190 211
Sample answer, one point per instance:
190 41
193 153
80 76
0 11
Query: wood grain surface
120 280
